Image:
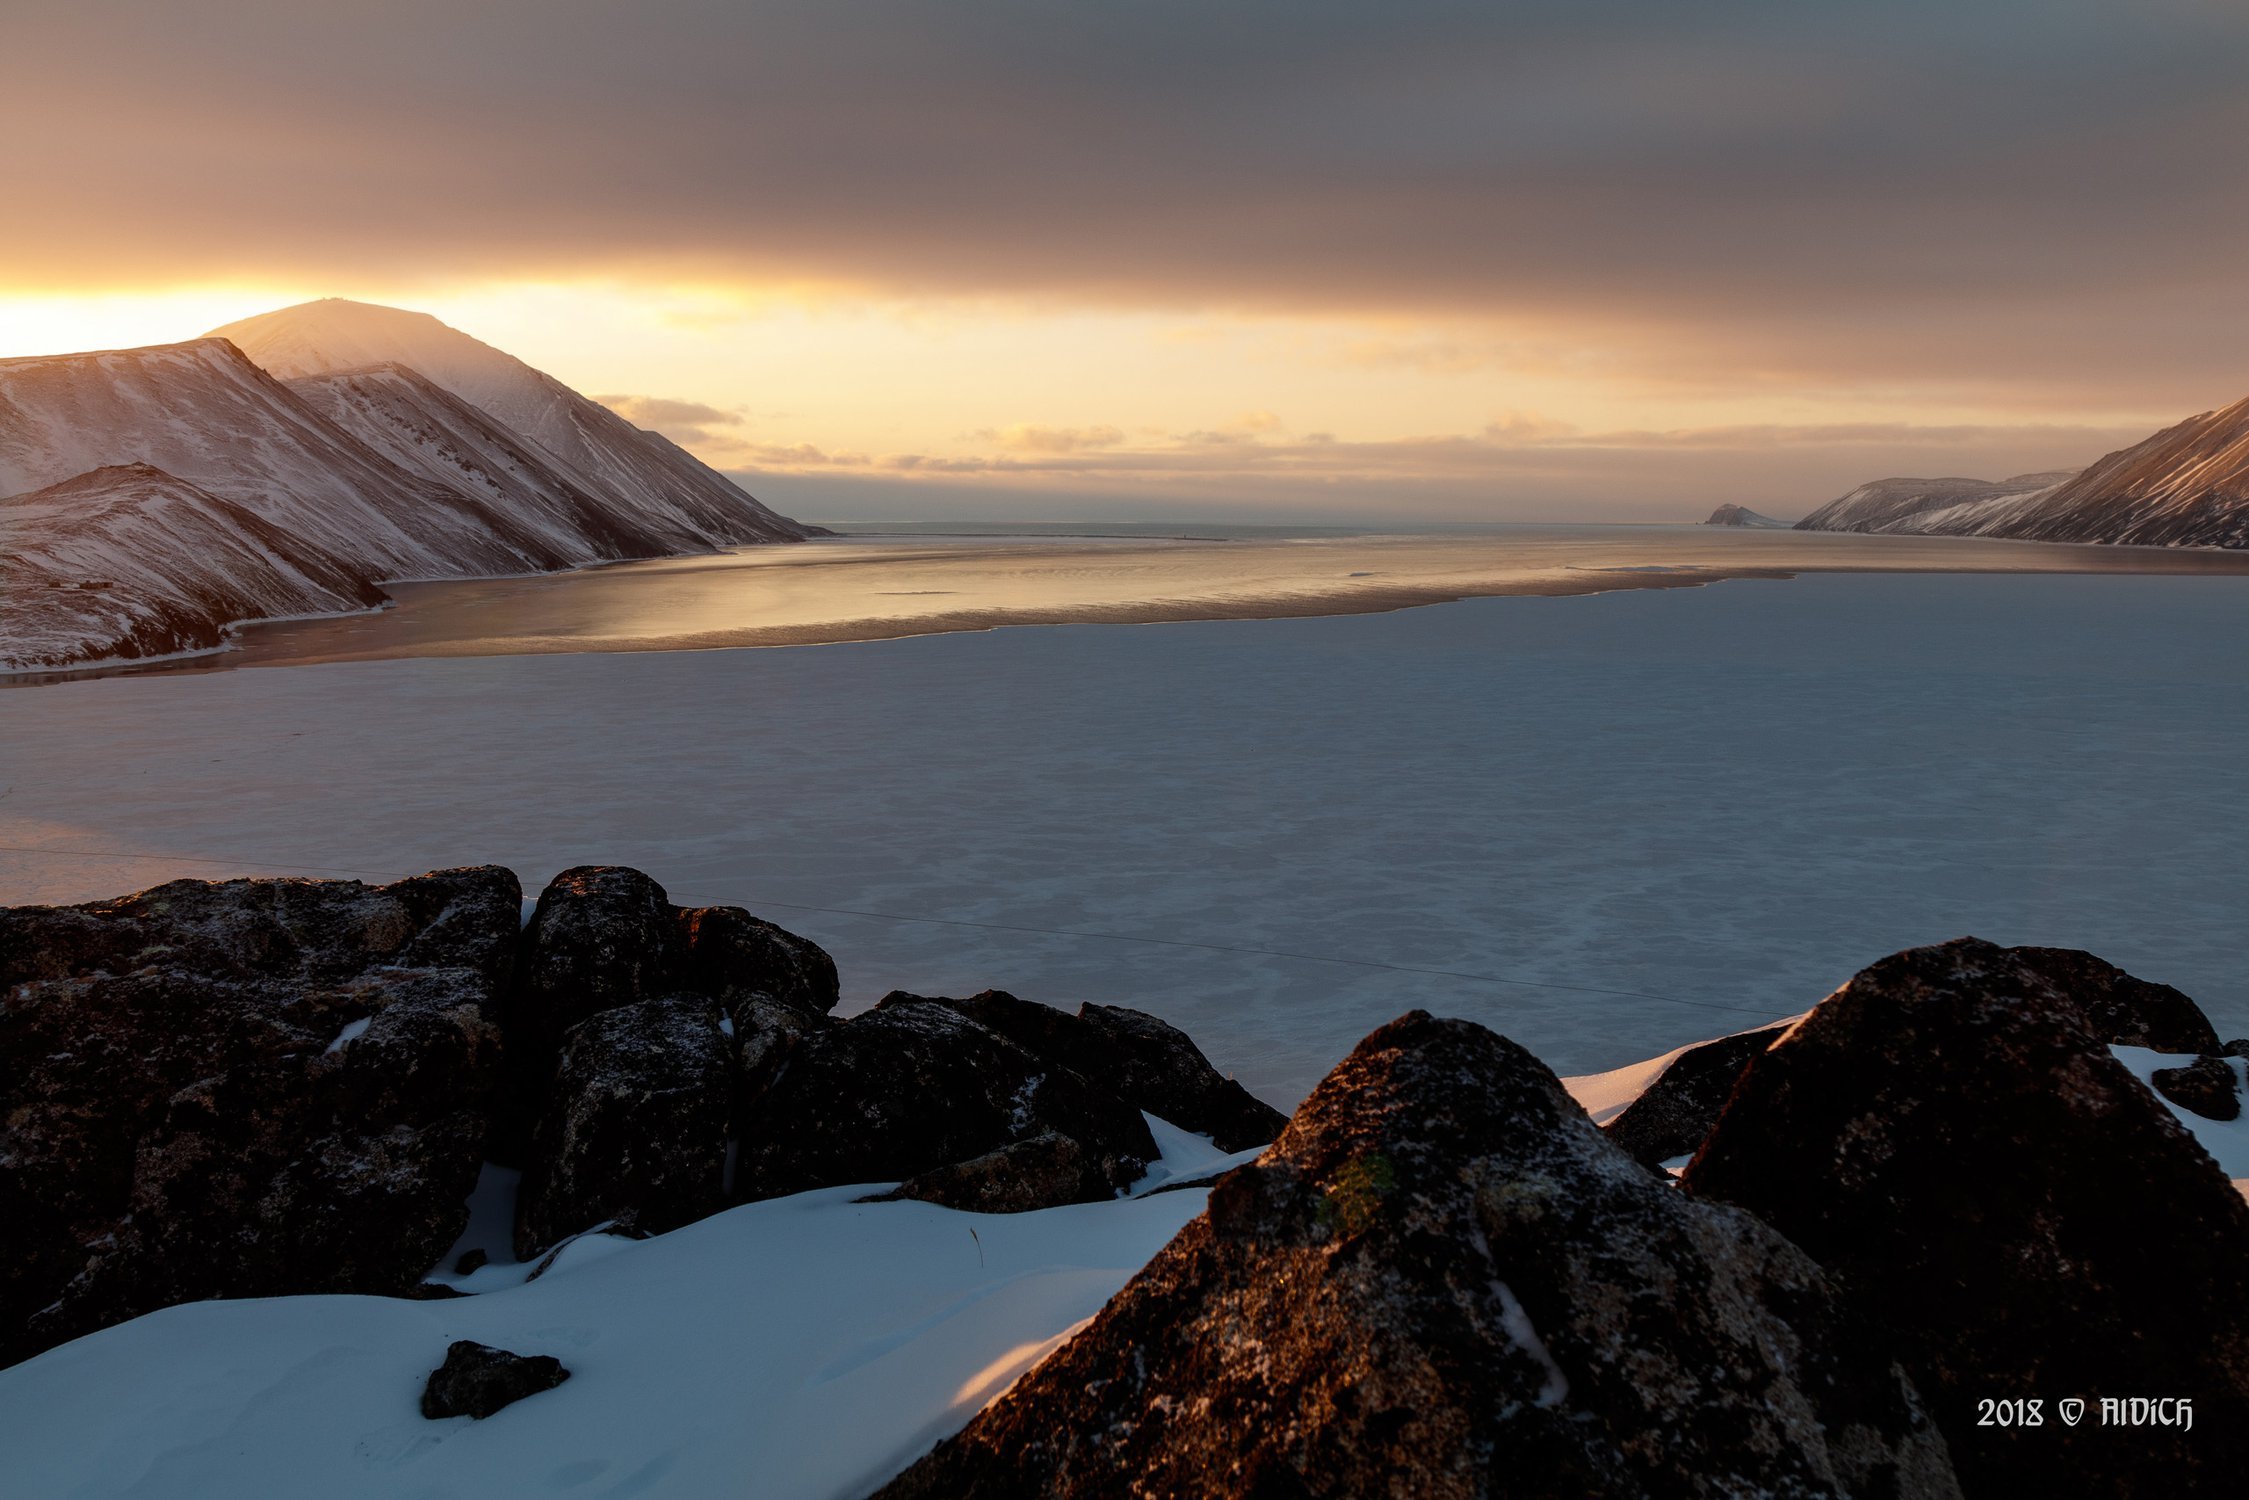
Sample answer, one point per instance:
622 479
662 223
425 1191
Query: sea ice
1604 825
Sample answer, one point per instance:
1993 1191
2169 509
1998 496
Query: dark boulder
477 1380
2238 1047
1046 1169
1443 1281
2121 1009
1677 1110
1950 1136
726 953
1151 1063
1158 1067
605 936
895 1092
635 1125
241 1088
602 936
2205 1087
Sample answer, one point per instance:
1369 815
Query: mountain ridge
264 496
2184 486
622 464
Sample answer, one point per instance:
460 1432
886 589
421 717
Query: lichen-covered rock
477 1380
2121 1009
2206 1087
1949 1134
241 1088
635 1124
1046 1169
910 1086
1151 1063
730 955
1677 1110
1443 1281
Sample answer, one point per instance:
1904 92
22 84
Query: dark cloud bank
2039 195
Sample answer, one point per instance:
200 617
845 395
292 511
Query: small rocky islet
1938 1188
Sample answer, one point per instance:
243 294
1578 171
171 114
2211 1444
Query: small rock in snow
477 1380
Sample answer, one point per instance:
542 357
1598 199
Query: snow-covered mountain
426 429
165 493
203 412
1742 515
141 563
1886 504
664 490
2187 486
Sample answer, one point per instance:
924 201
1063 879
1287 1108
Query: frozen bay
1612 823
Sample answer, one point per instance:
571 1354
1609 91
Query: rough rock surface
2121 1009
914 1085
1443 1281
635 1124
729 955
1950 1136
1678 1109
605 936
241 1088
1149 1062
602 936
766 1032
273 929
1043 1170
477 1380
1158 1067
2205 1087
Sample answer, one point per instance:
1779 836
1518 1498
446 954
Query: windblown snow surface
806 1347
802 1347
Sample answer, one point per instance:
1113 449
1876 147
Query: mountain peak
336 333
630 471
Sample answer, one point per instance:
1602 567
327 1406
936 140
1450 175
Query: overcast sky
1605 259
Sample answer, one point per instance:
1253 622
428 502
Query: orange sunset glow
1457 269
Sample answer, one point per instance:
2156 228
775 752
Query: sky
1608 259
